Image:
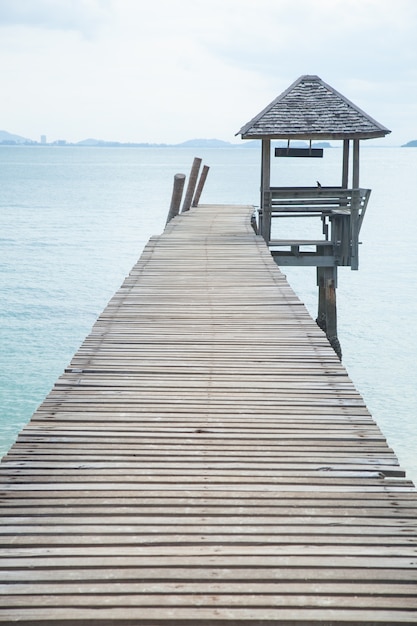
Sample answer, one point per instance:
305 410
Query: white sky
172 70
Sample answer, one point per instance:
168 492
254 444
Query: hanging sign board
299 152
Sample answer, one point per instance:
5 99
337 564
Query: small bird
318 183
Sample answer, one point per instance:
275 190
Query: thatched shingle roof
311 109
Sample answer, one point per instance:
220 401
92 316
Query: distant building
43 139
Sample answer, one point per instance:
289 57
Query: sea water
74 220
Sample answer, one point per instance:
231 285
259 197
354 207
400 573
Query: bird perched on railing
318 183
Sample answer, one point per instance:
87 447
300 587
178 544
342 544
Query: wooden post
330 302
355 175
345 175
321 312
327 310
192 181
174 209
354 229
200 185
265 213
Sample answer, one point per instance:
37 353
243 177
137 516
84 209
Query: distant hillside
191 143
204 143
410 144
101 143
6 137
12 139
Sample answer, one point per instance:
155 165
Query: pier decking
205 459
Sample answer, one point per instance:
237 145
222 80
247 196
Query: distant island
191 143
10 139
410 144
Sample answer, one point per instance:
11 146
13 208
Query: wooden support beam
354 229
355 173
345 171
327 308
265 214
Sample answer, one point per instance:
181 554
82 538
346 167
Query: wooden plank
107 538
276 588
212 572
183 599
203 615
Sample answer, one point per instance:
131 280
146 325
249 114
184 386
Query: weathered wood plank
254 588
183 599
202 615
212 572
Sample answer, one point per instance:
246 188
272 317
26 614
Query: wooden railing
340 210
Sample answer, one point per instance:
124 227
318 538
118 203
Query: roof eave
318 136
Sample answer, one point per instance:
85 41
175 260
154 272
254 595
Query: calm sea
73 221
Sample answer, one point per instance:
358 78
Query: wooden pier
206 460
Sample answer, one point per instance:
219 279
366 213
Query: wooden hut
310 111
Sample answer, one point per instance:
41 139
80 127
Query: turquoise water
73 221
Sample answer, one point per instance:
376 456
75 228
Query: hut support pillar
265 214
345 173
327 309
355 174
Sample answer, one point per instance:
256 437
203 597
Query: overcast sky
172 70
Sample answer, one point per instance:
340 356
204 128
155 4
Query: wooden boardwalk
206 460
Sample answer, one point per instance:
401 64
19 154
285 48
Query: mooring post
192 181
200 185
174 209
